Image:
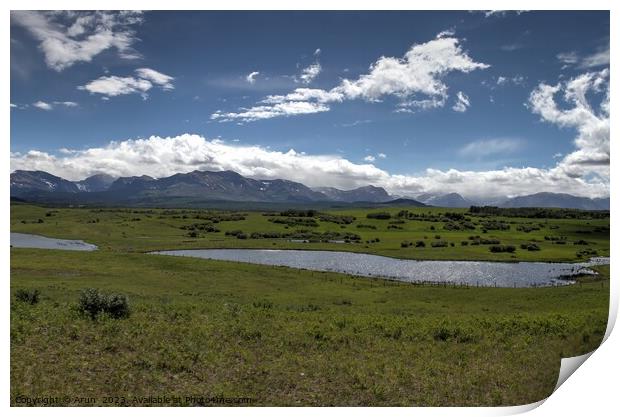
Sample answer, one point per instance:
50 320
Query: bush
439 244
93 302
502 248
464 243
27 296
420 244
382 215
405 244
530 246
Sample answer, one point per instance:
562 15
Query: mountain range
40 186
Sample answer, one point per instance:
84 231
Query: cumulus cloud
42 105
289 108
251 77
112 86
68 37
369 158
462 102
416 80
480 149
309 73
591 121
156 77
159 157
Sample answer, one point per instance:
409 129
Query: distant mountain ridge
454 200
234 187
560 200
369 193
211 185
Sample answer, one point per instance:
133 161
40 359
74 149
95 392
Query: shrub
382 215
502 248
581 242
439 244
92 302
420 244
27 296
464 243
405 244
437 236
233 232
242 236
530 246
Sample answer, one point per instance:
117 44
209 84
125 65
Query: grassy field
139 230
286 337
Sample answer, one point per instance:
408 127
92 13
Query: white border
593 387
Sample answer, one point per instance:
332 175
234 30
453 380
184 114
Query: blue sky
487 104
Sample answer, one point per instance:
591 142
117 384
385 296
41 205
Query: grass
281 336
140 230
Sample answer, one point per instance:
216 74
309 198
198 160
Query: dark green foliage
92 302
405 244
539 213
233 232
420 244
380 215
338 219
27 296
298 213
495 225
502 248
439 244
295 221
203 227
530 246
366 226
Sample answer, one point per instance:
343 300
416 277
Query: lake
24 240
500 274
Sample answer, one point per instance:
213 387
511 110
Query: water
23 240
500 274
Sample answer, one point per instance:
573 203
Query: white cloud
600 58
66 103
462 102
480 149
309 73
501 13
42 105
68 37
112 86
261 112
159 157
369 158
317 52
251 77
446 33
416 80
592 155
381 155
305 94
156 77
568 57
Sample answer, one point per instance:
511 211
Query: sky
486 104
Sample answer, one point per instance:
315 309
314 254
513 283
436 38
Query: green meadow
280 336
